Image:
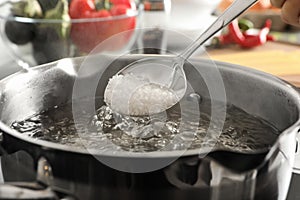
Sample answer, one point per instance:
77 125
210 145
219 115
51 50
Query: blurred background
35 32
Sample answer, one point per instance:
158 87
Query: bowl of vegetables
42 31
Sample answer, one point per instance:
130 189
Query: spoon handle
232 12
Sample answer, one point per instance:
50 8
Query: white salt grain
131 95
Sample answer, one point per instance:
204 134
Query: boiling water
180 128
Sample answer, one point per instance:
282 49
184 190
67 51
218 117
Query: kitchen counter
276 58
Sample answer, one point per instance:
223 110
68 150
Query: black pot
220 174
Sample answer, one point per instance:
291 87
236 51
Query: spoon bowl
141 88
154 70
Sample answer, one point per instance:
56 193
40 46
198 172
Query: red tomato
79 7
129 3
87 35
118 10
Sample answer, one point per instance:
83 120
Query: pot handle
2 151
296 167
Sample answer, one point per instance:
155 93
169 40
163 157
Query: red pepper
244 39
249 41
270 38
87 35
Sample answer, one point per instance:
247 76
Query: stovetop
294 192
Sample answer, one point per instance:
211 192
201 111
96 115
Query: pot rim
158 154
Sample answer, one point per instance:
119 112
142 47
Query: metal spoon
168 71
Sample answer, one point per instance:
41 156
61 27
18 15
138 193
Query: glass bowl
48 33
